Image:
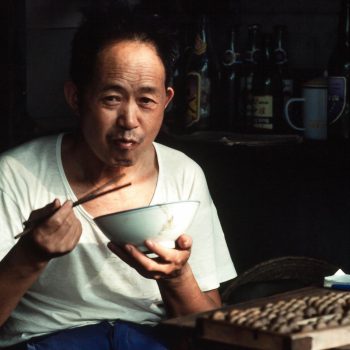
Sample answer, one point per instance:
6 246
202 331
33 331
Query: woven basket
279 271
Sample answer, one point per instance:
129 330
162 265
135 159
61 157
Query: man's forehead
129 51
133 61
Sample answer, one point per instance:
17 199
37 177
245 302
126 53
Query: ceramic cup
314 115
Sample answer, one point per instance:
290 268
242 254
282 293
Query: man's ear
169 96
71 95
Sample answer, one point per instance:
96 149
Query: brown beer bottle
267 92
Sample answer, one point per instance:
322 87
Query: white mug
314 97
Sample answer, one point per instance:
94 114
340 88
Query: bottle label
193 95
336 98
198 104
263 112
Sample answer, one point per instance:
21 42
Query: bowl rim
146 208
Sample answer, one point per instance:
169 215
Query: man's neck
85 173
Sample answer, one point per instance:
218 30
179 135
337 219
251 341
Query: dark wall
12 70
278 200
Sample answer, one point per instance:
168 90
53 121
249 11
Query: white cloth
91 284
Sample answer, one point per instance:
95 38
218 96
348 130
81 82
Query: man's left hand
168 264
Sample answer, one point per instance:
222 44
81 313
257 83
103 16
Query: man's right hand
55 236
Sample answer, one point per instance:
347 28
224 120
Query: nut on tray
299 314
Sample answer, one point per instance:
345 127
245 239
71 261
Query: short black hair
101 26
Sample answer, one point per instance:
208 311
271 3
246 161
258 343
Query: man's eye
146 101
111 99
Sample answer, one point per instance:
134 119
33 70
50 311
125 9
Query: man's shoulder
175 164
172 155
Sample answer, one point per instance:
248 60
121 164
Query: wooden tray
223 331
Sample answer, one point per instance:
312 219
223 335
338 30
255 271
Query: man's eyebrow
148 89
115 87
142 89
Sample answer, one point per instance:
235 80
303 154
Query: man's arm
182 295
22 266
17 273
178 287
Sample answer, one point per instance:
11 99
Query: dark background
290 199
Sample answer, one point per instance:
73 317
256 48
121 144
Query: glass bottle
280 55
267 92
198 81
339 79
253 57
231 115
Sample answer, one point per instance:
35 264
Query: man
63 285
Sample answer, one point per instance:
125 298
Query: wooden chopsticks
30 224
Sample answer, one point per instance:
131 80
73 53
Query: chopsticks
31 223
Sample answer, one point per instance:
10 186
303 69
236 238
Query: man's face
123 107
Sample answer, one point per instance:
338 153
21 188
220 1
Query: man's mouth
124 143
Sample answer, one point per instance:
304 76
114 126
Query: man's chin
122 163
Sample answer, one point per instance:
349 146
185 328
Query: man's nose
128 116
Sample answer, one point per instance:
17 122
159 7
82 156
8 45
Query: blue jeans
103 336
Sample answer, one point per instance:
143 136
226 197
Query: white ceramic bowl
163 223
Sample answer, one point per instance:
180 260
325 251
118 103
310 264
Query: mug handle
286 112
